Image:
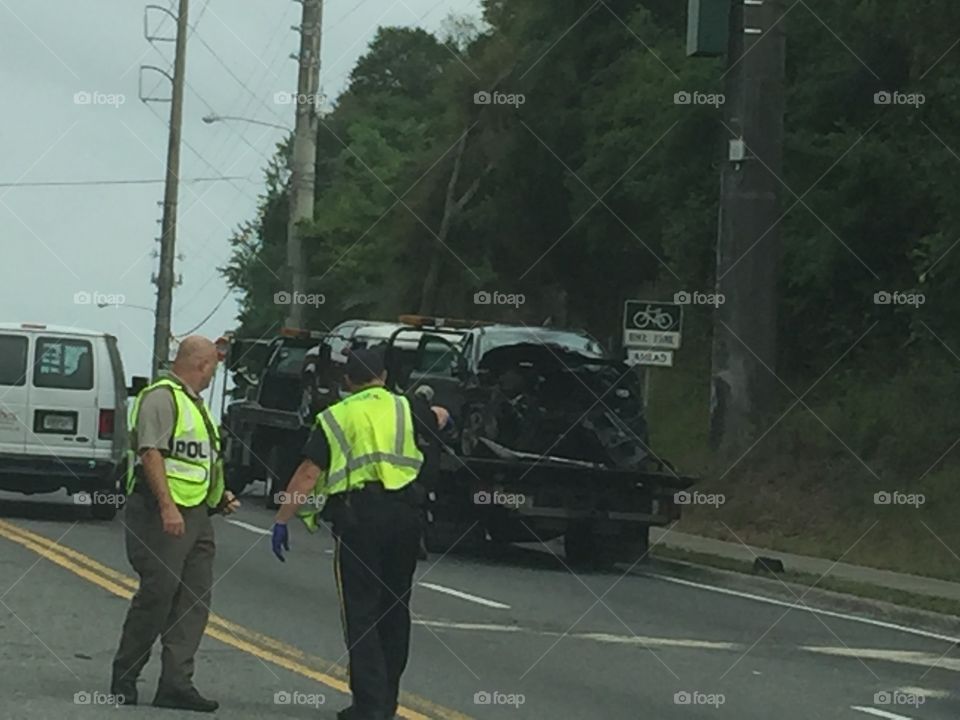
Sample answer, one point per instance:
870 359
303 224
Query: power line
236 77
267 70
139 181
199 16
209 315
197 153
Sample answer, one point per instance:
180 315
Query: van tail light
105 427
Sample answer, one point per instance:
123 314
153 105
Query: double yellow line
265 648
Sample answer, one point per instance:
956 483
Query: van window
64 363
13 360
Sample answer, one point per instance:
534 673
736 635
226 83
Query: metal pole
749 241
303 161
165 277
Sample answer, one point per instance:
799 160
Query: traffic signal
708 27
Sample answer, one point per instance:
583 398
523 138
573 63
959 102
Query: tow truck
550 440
282 383
264 431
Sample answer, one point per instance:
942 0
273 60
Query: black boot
124 689
188 699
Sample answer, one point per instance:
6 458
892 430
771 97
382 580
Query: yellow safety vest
371 439
194 467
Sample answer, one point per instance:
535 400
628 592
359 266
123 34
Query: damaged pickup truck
550 440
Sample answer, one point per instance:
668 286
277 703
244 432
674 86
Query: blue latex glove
281 541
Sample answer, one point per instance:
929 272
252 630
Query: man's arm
302 483
156 475
154 430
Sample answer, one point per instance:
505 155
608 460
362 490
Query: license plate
58 422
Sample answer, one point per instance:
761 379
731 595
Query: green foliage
599 187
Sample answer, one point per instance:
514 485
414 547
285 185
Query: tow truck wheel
584 550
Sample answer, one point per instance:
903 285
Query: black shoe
351 713
124 690
188 699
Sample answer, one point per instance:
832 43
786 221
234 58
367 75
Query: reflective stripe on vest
193 467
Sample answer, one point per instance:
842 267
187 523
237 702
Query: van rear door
63 398
14 391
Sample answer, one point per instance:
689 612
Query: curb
786 590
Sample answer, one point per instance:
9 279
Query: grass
808 485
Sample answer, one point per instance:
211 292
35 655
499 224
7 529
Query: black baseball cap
364 365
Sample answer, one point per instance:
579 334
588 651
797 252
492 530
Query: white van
63 419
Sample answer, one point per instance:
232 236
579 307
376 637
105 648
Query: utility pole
168 233
304 156
749 242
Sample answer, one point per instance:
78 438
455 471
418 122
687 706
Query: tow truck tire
583 549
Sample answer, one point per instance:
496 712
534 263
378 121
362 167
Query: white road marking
907 657
655 641
464 596
468 626
804 608
247 526
430 586
595 637
879 713
924 692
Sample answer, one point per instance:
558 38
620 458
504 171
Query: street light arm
210 119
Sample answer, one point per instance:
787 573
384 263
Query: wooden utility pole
749 242
304 156
168 234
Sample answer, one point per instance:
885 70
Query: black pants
378 539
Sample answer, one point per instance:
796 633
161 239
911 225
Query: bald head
196 362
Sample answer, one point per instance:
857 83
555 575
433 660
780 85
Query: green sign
708 27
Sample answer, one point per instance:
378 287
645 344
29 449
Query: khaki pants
173 601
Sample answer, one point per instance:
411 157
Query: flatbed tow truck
551 440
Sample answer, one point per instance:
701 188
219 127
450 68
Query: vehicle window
64 363
13 360
558 339
437 357
339 341
290 360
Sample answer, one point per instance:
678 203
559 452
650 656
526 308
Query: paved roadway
517 636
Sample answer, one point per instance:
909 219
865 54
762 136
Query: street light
210 119
129 305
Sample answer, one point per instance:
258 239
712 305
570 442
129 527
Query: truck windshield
558 339
289 361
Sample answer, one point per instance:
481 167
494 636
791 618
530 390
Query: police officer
174 483
363 455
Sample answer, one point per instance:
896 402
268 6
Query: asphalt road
514 636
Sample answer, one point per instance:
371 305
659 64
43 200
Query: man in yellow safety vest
174 484
363 455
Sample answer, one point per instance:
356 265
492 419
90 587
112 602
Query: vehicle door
64 417
441 365
14 391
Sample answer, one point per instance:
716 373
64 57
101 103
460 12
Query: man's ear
347 383
383 377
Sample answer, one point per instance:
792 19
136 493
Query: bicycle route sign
652 325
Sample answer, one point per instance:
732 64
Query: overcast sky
69 83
